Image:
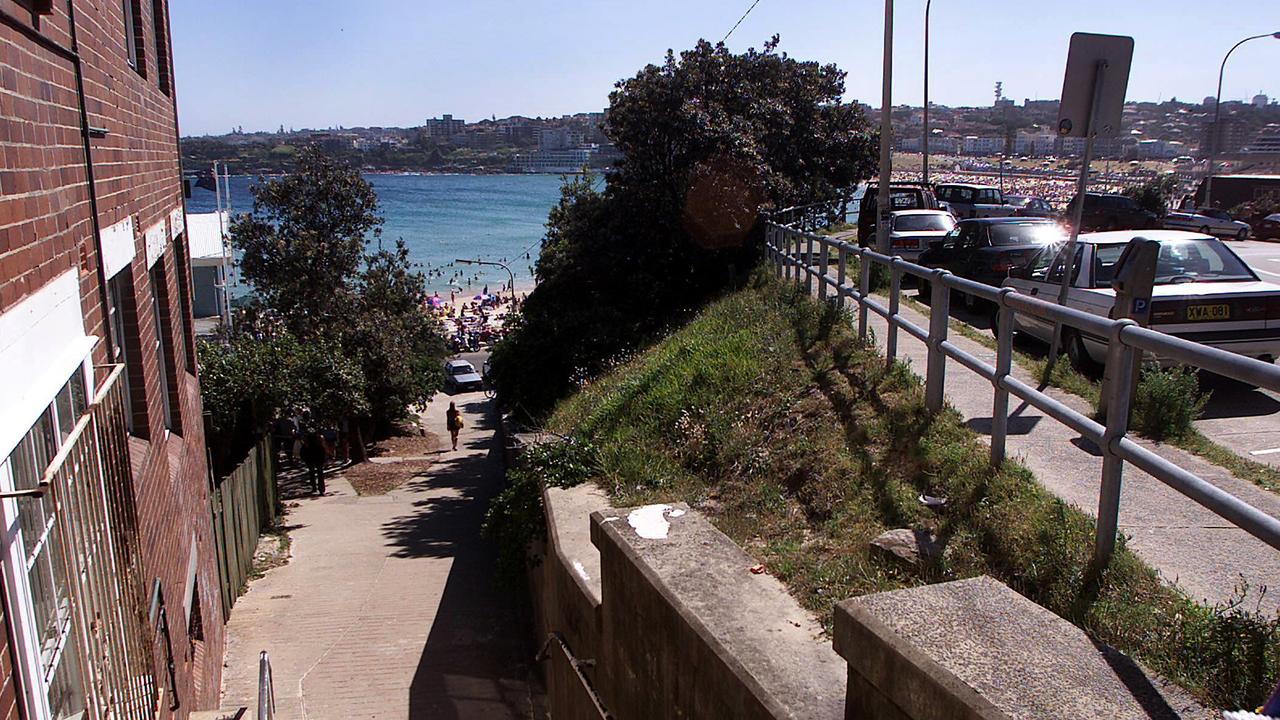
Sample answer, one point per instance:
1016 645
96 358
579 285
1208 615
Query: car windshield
1180 261
959 194
1017 200
1026 234
461 369
905 200
921 223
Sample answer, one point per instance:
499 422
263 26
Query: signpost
1092 105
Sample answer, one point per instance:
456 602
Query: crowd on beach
479 321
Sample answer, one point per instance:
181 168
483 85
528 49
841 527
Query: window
182 261
166 365
122 326
158 18
133 35
1026 234
1183 261
44 622
1055 275
923 223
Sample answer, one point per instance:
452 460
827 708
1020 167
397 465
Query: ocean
444 217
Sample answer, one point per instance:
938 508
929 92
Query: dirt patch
272 551
408 440
370 478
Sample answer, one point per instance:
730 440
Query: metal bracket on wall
38 491
577 665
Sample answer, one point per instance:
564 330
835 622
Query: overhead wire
744 17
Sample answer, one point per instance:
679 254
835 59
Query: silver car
1203 292
461 376
1208 221
913 230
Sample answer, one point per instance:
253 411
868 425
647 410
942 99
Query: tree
707 139
335 331
1155 194
305 240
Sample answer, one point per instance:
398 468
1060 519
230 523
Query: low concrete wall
677 626
977 649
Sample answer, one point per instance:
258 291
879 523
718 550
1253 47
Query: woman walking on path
453 421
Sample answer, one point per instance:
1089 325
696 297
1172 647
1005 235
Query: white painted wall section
42 341
118 247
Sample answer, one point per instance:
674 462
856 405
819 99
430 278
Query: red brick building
110 585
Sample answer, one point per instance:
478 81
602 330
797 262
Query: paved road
387 608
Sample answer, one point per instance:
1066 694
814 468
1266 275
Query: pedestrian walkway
1190 546
387 608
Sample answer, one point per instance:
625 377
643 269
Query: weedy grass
802 444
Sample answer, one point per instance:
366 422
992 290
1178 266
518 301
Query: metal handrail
793 252
266 688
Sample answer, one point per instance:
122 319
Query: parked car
902 196
1104 211
987 249
1204 292
1027 206
1268 228
913 230
973 201
1208 221
461 376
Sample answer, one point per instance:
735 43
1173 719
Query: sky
328 63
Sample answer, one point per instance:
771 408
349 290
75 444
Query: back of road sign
1087 51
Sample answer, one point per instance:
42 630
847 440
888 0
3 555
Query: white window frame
26 641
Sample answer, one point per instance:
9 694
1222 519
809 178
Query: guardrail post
895 290
786 253
1118 392
1004 361
808 265
864 290
776 248
939 313
824 258
840 274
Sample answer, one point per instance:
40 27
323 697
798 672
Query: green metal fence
244 503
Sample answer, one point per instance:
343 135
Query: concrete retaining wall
677 626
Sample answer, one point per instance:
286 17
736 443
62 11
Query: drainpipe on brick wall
72 55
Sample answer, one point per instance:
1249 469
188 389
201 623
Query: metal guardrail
266 688
794 252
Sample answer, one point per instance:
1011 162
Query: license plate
1208 312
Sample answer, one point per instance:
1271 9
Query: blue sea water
445 217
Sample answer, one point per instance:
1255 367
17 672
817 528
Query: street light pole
464 261
886 133
925 142
1216 137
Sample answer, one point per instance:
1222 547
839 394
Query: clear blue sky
322 63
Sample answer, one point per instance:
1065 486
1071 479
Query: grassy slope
801 445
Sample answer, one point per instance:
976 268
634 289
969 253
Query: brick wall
46 226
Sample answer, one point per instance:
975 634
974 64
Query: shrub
516 518
1167 402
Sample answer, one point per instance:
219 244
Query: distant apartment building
1227 135
111 605
445 126
553 161
975 145
1035 144
559 138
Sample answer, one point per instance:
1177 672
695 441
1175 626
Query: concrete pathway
387 608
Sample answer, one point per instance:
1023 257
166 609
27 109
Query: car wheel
1111 224
1204 230
1077 353
1243 234
924 291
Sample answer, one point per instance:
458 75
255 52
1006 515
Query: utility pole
1215 136
886 133
925 141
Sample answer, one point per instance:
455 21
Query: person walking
453 421
314 454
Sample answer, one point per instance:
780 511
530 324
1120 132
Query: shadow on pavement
477 661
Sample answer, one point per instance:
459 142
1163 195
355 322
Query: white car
1208 221
912 230
461 376
1204 292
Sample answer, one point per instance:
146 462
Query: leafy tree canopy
338 330
707 138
